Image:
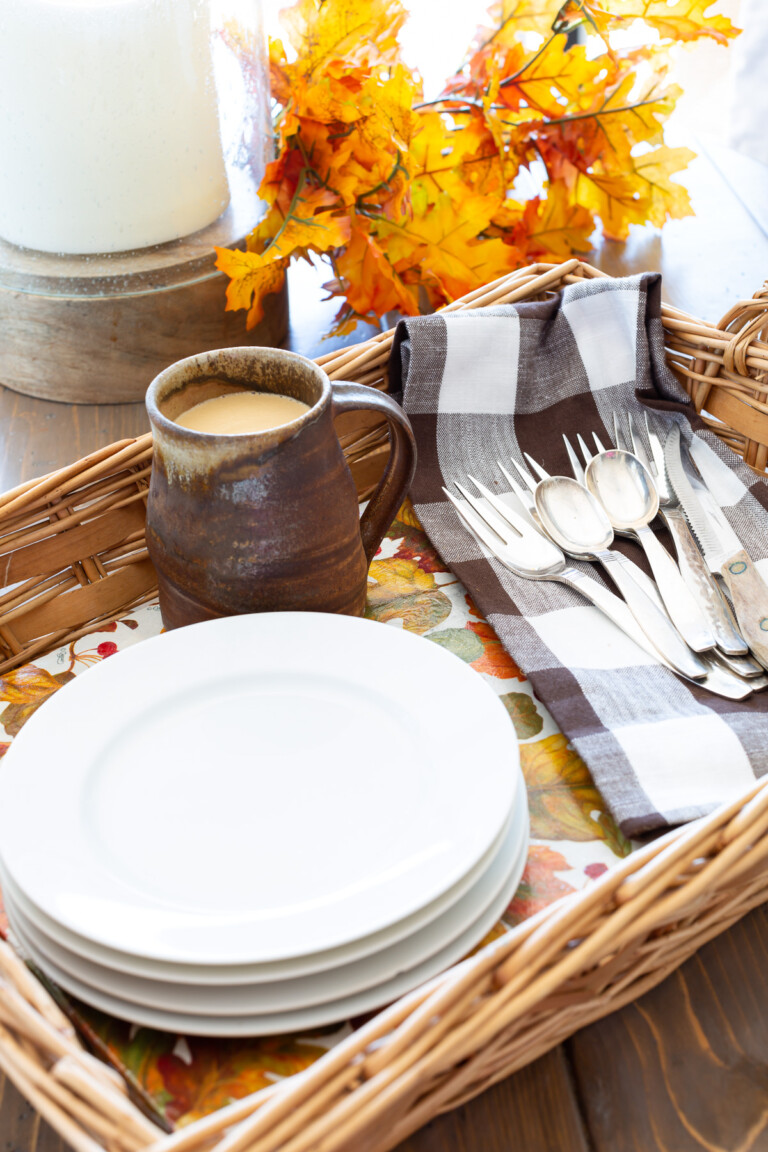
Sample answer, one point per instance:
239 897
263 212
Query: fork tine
523 495
491 518
524 475
478 526
657 452
586 453
507 514
638 448
576 468
542 475
598 442
618 439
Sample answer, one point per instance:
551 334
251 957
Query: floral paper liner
573 838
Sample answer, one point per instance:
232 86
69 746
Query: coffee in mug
242 412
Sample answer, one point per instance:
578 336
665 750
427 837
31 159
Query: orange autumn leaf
495 660
304 226
554 227
372 285
553 79
221 1072
540 885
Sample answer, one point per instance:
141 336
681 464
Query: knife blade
717 539
722 549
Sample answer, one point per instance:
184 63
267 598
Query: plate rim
517 834
318 1016
192 974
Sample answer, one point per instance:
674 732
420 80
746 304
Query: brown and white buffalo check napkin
483 385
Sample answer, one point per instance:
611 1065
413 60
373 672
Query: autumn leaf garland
415 204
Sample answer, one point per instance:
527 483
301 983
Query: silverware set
681 618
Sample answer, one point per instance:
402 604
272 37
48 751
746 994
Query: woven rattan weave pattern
73 554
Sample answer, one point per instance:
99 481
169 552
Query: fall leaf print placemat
573 838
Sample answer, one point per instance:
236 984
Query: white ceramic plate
289 995
256 788
301 1019
221 974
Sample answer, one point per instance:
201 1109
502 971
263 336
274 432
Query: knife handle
702 585
653 620
750 602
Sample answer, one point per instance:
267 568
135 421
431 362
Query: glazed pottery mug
264 521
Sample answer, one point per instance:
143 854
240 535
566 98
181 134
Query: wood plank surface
534 1111
687 1066
685 1069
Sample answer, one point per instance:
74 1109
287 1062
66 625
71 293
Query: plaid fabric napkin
482 385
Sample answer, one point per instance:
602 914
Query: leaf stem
289 215
468 105
516 75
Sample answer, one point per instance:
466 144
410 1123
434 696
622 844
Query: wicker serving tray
73 555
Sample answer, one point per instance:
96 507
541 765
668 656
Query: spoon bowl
624 487
572 517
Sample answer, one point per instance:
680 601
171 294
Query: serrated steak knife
723 551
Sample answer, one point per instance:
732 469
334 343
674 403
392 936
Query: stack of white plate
261 824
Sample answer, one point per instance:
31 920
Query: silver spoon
575 520
626 491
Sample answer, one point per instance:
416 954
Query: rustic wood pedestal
98 329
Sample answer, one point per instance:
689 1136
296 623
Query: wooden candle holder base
108 349
98 329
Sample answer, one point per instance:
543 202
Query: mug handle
394 484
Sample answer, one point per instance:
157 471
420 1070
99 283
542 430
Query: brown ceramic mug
264 521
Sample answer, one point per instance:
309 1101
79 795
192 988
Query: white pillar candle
109 127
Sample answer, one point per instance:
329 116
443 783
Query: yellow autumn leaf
24 690
564 802
402 591
443 158
555 79
508 18
396 578
673 19
407 515
304 228
444 244
352 28
665 197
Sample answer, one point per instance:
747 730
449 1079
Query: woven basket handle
394 484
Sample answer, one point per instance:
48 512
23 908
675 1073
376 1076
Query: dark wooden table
686 1067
